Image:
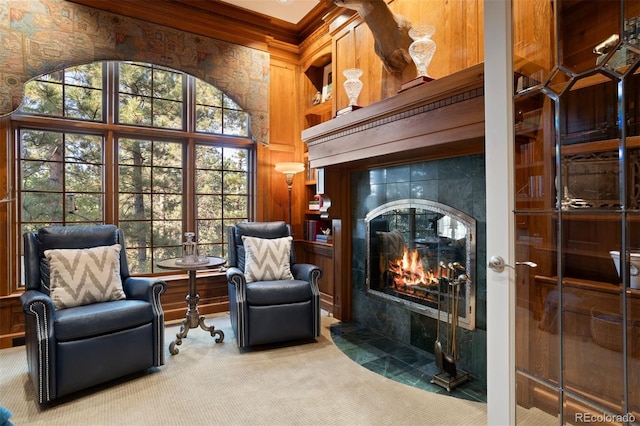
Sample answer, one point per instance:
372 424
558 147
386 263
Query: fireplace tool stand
450 376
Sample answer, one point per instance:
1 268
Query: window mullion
189 104
110 150
189 166
189 189
111 93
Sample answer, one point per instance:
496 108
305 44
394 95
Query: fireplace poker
454 320
448 362
437 348
443 270
462 278
458 266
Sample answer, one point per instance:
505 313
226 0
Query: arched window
153 150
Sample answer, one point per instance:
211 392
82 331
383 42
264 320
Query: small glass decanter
189 249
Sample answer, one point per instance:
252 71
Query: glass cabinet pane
534 152
533 41
578 311
537 311
587 29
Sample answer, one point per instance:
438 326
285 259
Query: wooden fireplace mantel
442 118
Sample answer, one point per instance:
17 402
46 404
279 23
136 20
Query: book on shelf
322 238
313 227
310 172
314 205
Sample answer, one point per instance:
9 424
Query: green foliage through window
143 181
75 92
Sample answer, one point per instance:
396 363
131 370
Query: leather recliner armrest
34 301
236 276
143 288
306 272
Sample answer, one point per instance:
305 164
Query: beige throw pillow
84 276
267 259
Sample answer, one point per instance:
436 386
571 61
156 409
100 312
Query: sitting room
301 212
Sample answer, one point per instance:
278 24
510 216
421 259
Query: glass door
576 189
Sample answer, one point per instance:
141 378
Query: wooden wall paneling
474 30
338 186
263 177
458 35
276 189
284 103
459 45
343 58
285 145
369 63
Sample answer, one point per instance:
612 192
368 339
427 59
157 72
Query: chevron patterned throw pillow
84 276
267 259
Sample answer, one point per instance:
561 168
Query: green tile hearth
402 363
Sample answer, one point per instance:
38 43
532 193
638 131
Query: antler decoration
390 31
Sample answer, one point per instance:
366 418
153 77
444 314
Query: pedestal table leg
193 318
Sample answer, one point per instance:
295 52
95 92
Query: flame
408 271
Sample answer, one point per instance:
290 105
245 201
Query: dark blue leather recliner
271 311
79 347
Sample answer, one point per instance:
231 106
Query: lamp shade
289 168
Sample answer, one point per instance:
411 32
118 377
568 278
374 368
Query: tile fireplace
404 164
417 250
391 198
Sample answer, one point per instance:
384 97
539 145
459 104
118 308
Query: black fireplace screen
418 251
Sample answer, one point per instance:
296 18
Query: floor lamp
289 169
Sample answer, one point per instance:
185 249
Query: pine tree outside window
144 167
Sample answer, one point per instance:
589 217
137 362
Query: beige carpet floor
217 384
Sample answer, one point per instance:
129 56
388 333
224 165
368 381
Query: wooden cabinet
322 255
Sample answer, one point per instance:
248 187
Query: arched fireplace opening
416 249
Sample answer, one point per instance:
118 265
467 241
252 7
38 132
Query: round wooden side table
193 318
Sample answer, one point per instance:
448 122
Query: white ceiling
292 12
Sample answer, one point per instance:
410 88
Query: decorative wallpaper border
41 36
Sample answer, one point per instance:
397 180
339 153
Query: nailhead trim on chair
316 274
156 291
240 303
42 361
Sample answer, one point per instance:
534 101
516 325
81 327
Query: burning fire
408 271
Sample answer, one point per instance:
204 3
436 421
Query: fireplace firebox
412 244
